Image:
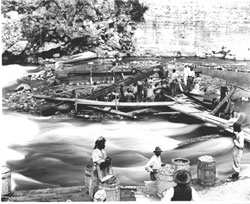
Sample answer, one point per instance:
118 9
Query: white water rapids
48 152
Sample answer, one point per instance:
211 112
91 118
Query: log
167 113
115 112
107 104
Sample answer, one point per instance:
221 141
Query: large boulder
18 47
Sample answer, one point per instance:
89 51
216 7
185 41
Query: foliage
137 10
133 8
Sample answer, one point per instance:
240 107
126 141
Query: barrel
87 174
206 170
94 183
150 187
6 181
164 180
181 163
112 191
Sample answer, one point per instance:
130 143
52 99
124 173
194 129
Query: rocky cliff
35 30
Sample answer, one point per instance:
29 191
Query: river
47 152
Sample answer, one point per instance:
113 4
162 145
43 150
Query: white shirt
153 163
191 73
186 71
170 193
239 141
98 155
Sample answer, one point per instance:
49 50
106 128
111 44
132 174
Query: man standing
238 141
173 82
154 164
190 79
186 71
182 191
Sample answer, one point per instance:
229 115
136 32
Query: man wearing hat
182 191
154 164
238 141
102 163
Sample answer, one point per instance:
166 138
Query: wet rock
23 88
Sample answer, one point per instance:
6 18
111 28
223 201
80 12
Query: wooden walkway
186 106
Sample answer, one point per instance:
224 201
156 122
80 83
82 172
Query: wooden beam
217 108
167 113
115 112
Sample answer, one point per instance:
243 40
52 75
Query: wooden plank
115 112
217 108
108 104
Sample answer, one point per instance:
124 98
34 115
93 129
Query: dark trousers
190 81
152 176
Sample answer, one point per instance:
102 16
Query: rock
23 88
18 47
56 55
13 15
49 46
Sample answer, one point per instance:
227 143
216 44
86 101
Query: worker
154 164
238 141
102 163
173 82
182 191
186 71
190 79
129 96
94 87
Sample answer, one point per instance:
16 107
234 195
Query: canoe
108 104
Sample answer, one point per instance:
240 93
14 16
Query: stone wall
194 27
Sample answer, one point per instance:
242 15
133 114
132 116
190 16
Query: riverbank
229 192
44 81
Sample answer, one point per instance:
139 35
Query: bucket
6 181
112 191
164 179
206 170
181 163
87 175
150 187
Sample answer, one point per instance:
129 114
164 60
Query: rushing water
48 152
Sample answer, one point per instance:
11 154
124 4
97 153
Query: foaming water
10 73
54 151
45 152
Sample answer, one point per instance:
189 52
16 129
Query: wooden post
216 109
76 101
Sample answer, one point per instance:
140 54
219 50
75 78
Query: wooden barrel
87 175
181 163
164 180
112 191
206 170
150 187
6 181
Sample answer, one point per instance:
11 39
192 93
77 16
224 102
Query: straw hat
157 149
182 177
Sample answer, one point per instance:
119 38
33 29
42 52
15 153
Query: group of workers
183 190
152 90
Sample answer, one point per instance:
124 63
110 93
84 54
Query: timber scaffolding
186 104
98 71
